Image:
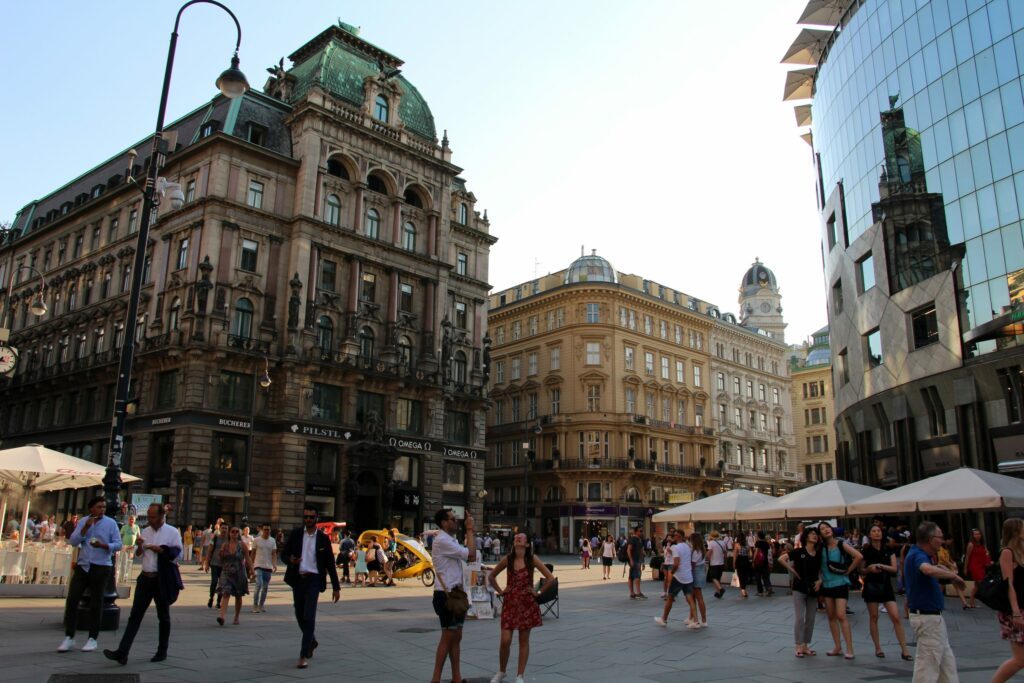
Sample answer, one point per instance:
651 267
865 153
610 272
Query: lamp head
265 381
38 306
232 81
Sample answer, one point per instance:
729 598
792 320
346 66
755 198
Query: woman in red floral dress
519 610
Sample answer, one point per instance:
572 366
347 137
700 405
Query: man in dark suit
310 559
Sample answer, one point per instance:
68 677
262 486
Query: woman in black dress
878 569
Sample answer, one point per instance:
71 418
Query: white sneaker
498 677
89 646
66 644
692 625
255 610
703 624
660 622
520 679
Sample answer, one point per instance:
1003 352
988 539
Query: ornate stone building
751 388
327 239
605 380
812 408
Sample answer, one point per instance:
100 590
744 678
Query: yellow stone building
813 409
601 400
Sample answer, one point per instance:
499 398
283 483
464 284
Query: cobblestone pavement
389 635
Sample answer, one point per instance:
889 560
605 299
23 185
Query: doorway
366 508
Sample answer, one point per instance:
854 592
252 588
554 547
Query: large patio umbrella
808 47
823 12
799 84
960 489
719 507
828 499
37 469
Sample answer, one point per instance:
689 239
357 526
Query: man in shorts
448 555
682 580
635 556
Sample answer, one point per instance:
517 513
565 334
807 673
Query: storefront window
407 472
227 466
454 478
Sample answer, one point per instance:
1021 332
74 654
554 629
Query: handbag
455 600
993 590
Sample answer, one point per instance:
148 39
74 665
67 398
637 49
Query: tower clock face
8 360
762 279
766 307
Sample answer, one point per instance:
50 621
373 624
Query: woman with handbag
741 562
838 561
804 565
519 609
1011 624
878 569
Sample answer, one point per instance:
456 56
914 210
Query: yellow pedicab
413 559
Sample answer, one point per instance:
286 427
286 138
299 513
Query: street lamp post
232 84
264 382
528 457
38 306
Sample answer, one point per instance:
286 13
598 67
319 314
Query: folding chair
12 567
548 600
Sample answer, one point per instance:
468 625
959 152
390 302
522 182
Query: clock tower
760 301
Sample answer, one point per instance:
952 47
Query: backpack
993 590
623 554
760 559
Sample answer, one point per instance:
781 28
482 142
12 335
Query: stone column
432 234
396 222
357 211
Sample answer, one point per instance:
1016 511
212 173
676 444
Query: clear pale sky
651 131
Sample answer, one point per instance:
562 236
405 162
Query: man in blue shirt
925 600
97 538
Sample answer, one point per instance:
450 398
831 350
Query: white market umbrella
37 469
808 47
960 489
799 84
823 12
827 499
719 507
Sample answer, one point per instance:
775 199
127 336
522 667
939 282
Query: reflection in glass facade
956 66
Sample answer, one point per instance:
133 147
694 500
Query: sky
652 131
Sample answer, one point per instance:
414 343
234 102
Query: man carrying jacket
310 559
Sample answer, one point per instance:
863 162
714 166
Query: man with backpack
762 563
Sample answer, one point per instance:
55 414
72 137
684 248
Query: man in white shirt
448 556
156 540
264 559
682 580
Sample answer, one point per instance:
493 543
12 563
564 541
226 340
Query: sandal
810 653
847 656
906 658
799 654
880 655
833 653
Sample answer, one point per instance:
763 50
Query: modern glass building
916 120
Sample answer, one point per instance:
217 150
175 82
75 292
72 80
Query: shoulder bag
993 590
455 600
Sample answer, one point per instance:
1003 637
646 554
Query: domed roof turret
592 268
758 276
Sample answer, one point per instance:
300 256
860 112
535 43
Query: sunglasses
309 516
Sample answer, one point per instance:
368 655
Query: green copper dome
339 61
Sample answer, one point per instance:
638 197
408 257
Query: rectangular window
594 398
458 432
830 231
648 324
698 415
409 416
650 403
837 297
925 326
461 264
750 389
516 369
369 288
556 359
720 381
844 368
630 353
94 244
681 372
322 463
775 395
663 329
111 235
328 275
257 134
761 395
517 330
736 385
556 401
593 313
405 293
499 372
461 320
696 375
531 406
531 363
665 362
167 389
630 401
190 191
234 391
250 252
866 273
531 325
182 260
255 194
133 221
649 363
326 402
737 417
593 353
873 348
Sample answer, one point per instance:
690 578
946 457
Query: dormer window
381 109
257 134
463 214
208 129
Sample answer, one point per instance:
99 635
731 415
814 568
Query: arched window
459 367
173 315
380 109
366 343
325 334
332 212
409 237
413 199
632 495
372 224
405 352
374 183
337 169
463 214
241 324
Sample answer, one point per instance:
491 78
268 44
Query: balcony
248 344
627 464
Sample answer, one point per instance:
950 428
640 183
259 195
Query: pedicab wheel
427 577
